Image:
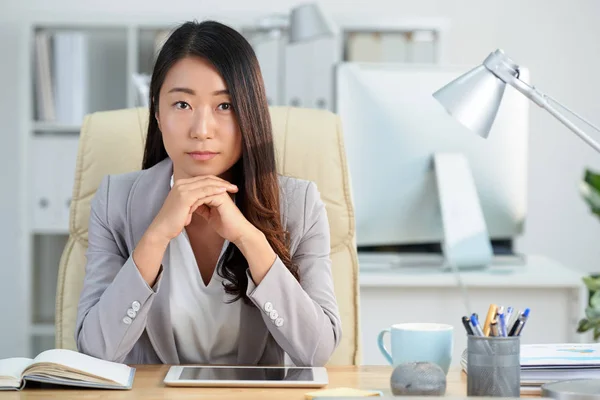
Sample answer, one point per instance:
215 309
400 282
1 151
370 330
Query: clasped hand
207 196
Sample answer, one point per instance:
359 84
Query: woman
206 255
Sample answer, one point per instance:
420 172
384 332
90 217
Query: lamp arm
541 100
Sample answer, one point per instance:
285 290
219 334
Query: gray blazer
123 208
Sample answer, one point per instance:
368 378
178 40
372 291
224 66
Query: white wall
13 299
556 40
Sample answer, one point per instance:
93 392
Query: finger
190 197
204 192
209 201
207 183
204 179
188 220
204 211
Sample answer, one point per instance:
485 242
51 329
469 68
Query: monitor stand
466 243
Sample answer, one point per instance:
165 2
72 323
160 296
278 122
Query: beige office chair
309 145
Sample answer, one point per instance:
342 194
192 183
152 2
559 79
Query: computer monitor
392 128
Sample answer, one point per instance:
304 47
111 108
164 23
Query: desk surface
537 272
148 385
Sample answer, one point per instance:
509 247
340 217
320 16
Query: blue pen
507 316
476 326
502 323
524 317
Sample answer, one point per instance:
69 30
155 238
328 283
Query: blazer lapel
146 201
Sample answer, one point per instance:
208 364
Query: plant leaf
592 178
584 325
592 283
593 315
596 333
595 300
590 194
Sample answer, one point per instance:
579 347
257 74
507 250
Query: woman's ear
157 119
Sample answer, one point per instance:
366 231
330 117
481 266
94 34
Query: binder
70 60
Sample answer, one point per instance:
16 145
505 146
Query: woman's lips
203 155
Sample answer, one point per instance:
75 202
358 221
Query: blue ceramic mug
419 342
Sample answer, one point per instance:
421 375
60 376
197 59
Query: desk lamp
473 99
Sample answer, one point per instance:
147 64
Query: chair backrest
309 145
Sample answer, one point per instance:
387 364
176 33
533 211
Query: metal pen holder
493 366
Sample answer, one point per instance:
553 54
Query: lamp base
575 389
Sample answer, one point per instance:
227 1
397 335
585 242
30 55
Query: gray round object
575 389
418 379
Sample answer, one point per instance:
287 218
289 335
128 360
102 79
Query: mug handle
382 348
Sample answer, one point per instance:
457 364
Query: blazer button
279 322
127 321
274 315
136 306
131 313
268 306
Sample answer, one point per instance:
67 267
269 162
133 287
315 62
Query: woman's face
198 124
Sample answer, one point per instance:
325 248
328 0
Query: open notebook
65 367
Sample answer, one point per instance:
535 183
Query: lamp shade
473 99
307 22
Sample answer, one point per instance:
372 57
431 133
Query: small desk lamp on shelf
473 99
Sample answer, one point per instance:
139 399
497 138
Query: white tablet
227 376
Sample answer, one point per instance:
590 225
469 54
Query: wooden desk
148 385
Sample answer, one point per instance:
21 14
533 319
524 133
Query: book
543 363
65 367
70 76
43 78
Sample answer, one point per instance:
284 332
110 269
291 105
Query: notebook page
560 355
111 371
12 368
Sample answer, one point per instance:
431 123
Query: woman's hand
186 197
209 197
221 213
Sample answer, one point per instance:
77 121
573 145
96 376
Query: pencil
494 329
488 319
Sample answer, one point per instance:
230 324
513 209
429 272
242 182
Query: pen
516 328
508 316
494 329
476 326
488 319
467 324
523 319
513 318
501 323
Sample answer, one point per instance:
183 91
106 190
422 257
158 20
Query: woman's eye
225 106
182 105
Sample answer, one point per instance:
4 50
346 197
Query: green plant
592 311
590 191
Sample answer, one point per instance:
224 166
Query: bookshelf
112 53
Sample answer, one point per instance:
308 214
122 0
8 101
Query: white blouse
205 326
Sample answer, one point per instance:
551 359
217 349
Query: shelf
538 272
50 231
54 127
42 329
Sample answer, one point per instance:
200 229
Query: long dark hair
256 175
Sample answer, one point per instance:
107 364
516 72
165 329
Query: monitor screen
392 128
